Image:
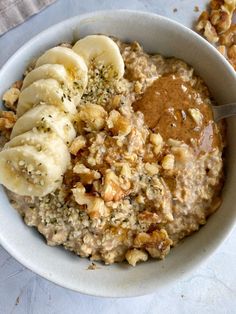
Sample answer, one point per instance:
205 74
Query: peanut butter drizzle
165 105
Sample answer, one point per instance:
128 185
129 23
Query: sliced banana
73 63
48 143
26 171
47 91
102 50
33 163
46 71
45 117
57 72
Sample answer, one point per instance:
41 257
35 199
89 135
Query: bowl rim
214 245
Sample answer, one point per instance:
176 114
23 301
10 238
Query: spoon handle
224 111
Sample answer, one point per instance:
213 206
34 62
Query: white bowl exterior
157 35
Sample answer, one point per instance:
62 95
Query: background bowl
158 35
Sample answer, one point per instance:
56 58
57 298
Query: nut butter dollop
177 110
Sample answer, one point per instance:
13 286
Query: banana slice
47 91
46 71
44 117
26 171
33 163
101 50
48 143
58 73
73 63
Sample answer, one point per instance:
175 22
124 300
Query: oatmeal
145 166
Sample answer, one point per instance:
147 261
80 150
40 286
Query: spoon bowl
224 111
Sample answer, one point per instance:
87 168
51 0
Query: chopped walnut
10 98
229 38
7 120
182 154
232 55
18 84
156 243
216 4
217 27
116 101
221 14
126 171
202 20
78 143
87 176
221 21
140 199
112 189
149 218
196 115
174 143
134 256
152 168
217 21
138 87
168 162
229 6
92 266
118 124
157 141
210 33
222 49
93 116
96 207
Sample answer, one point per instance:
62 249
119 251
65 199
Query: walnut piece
222 49
156 243
168 162
18 84
112 190
78 143
116 101
148 217
229 38
216 4
10 98
217 21
232 55
152 168
7 120
196 115
87 176
157 140
126 171
93 116
221 20
118 124
202 20
210 33
96 207
134 256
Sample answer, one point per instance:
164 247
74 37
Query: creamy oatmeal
145 166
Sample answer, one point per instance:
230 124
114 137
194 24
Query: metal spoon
224 111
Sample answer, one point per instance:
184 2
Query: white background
210 289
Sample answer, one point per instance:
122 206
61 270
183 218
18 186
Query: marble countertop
210 289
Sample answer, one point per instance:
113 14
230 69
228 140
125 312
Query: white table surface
210 289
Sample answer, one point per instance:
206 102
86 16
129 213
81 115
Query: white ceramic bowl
158 35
